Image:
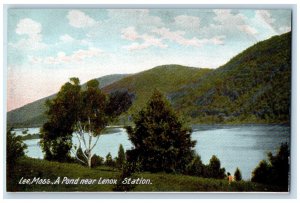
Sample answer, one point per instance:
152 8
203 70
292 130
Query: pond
242 146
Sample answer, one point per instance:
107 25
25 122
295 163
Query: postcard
148 100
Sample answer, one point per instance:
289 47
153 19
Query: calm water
240 146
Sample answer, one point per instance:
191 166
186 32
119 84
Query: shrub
237 175
196 167
214 170
120 161
14 148
109 161
262 172
276 171
97 160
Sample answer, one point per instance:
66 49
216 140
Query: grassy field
29 168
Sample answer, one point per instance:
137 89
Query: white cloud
218 40
62 58
178 37
130 34
32 30
248 30
284 29
28 27
227 22
66 38
140 17
136 46
265 15
189 22
79 19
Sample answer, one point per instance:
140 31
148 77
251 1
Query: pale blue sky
48 46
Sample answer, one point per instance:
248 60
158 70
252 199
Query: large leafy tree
83 113
161 141
62 112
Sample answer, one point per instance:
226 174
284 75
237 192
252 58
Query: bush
261 173
14 148
120 161
127 172
214 170
237 175
97 160
276 171
196 167
109 161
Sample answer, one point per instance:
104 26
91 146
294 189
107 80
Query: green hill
166 78
32 114
254 86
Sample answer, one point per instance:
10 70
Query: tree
214 169
91 119
161 141
119 102
196 167
61 111
237 175
108 160
261 173
14 150
121 157
80 112
280 166
276 170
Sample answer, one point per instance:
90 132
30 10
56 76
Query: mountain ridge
253 86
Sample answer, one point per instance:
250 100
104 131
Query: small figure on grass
230 178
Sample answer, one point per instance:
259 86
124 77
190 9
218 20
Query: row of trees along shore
162 142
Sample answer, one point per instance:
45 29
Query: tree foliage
57 132
97 160
214 169
80 112
254 85
196 167
15 148
121 159
109 160
161 141
237 175
276 170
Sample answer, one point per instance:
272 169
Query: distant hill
166 78
254 86
33 114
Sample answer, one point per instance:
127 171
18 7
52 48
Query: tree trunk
90 160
